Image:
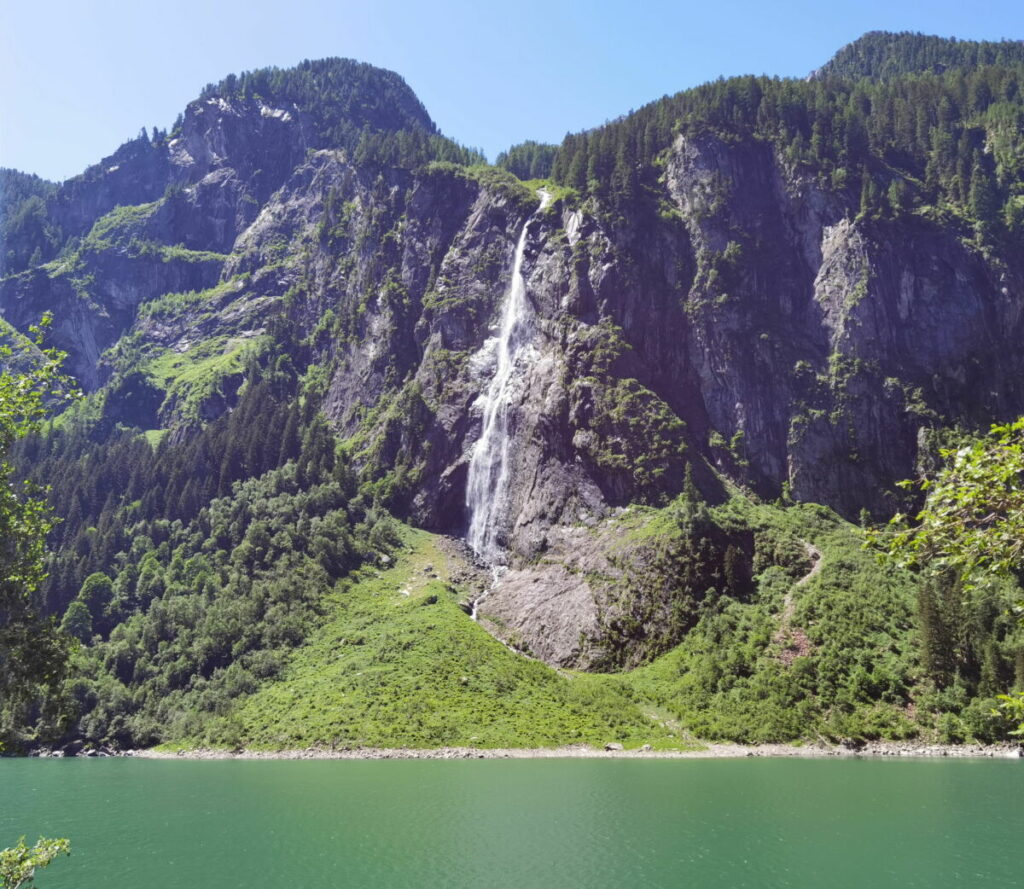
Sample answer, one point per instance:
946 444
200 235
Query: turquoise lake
491 824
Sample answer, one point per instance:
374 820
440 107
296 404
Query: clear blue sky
79 77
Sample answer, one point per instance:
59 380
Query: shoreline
873 750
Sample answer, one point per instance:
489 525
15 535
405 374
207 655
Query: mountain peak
883 54
332 90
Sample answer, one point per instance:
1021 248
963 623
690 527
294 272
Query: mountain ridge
753 292
881 54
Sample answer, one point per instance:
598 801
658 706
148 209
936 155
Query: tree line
950 140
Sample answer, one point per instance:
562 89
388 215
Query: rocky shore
887 749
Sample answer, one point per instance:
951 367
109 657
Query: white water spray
488 483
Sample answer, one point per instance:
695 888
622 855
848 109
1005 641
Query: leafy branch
972 522
18 865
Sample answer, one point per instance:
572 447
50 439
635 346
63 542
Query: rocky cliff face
751 322
741 318
744 318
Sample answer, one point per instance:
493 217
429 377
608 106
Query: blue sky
79 78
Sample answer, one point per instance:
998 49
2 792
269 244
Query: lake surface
491 824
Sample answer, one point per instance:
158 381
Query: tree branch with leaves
18 865
32 651
972 523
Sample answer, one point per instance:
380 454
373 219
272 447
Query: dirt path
814 554
793 639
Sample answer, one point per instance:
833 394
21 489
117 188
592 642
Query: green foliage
213 609
31 652
968 544
972 523
190 378
107 479
670 568
630 434
409 149
119 228
494 179
368 111
77 622
334 90
882 55
528 160
27 234
195 306
504 183
717 277
634 434
124 229
823 653
398 663
18 865
917 139
1013 709
216 578
190 571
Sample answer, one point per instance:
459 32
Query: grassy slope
395 669
731 677
398 663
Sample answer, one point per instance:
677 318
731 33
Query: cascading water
488 483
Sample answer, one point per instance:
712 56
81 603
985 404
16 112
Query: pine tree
868 195
937 658
984 199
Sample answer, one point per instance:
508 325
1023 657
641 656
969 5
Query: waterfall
488 483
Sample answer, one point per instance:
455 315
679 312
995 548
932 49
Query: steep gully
489 479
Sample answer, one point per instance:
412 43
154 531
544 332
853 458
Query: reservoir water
491 824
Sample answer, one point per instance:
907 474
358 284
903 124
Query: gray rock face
548 608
